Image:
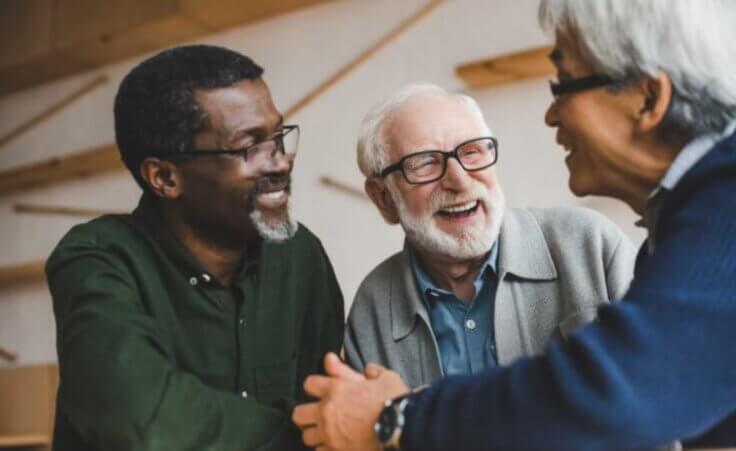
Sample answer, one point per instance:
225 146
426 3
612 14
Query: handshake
347 407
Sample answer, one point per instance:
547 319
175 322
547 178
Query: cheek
417 201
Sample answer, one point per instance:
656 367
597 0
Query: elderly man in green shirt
192 323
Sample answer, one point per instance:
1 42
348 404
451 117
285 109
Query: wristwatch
391 421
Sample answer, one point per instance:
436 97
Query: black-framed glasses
579 84
285 141
429 165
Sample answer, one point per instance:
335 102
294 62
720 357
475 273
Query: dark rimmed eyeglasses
579 84
285 141
429 165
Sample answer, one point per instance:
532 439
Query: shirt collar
426 284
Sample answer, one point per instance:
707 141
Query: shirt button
470 324
244 394
193 281
206 277
241 321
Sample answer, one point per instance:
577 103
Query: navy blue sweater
657 367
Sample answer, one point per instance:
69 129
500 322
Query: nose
278 163
456 178
550 117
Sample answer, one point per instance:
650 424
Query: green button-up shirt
155 354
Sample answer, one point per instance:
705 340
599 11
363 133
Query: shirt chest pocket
276 382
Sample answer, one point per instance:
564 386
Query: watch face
386 423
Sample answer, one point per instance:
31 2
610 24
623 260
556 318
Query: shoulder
103 233
375 290
574 223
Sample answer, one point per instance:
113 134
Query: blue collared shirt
464 332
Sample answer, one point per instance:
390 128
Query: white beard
275 231
475 240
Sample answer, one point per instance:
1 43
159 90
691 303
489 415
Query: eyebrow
257 131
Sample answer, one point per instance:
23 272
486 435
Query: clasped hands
347 407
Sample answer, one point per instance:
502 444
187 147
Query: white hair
692 41
371 145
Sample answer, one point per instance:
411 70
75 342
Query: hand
348 407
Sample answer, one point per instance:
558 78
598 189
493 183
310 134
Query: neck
654 160
452 274
220 260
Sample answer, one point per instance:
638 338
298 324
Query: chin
276 227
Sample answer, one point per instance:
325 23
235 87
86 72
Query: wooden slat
20 274
342 186
53 109
63 211
49 39
24 440
524 65
363 57
28 395
77 165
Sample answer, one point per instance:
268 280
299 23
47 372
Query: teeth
460 208
272 196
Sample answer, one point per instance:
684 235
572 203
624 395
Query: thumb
373 371
334 367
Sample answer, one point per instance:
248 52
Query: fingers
312 437
318 386
306 415
336 368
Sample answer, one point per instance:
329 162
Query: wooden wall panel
55 38
28 395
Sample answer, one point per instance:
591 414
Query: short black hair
155 109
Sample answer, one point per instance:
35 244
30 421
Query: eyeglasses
579 84
430 165
285 141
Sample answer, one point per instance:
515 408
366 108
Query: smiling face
459 215
223 196
609 134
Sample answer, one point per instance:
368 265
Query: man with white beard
476 285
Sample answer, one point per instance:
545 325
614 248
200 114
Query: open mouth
272 199
460 211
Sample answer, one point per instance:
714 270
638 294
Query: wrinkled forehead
431 123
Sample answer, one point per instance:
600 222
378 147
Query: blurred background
326 62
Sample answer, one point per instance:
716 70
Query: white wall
298 52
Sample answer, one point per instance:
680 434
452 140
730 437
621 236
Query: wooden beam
20 274
63 211
343 187
48 39
53 109
363 57
77 165
523 65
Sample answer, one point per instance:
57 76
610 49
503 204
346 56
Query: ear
378 192
656 102
163 177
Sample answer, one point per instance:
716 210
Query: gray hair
372 155
692 41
